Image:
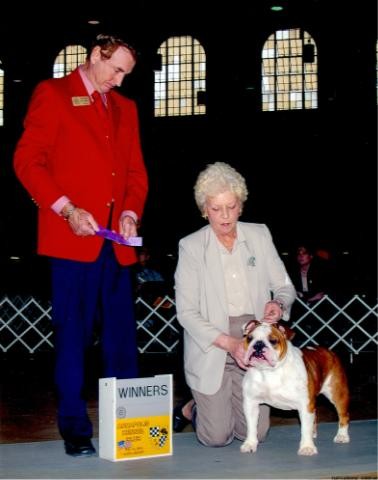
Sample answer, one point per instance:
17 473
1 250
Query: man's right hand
81 222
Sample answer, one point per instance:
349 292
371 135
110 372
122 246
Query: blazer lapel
86 112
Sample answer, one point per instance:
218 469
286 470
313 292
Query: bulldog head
265 344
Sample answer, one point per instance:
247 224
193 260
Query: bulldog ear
286 331
248 327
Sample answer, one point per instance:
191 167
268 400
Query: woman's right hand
234 346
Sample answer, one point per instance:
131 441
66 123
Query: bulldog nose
259 345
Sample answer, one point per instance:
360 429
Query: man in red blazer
80 159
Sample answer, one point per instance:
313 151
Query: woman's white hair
217 178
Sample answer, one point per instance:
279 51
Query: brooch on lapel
251 262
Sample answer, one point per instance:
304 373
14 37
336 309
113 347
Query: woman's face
303 256
223 211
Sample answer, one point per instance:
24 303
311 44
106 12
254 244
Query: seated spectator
143 272
149 282
311 275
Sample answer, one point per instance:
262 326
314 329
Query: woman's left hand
272 312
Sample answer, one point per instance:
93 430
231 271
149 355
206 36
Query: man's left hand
127 227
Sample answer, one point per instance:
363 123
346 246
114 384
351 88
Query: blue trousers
88 297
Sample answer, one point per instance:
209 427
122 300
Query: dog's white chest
284 387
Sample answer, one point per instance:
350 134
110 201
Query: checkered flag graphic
162 440
154 431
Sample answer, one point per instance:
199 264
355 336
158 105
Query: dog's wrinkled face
265 344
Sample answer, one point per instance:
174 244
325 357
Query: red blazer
68 149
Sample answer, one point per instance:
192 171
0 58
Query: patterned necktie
100 105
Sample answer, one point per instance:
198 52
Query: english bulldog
285 377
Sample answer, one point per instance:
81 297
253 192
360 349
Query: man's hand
127 227
82 222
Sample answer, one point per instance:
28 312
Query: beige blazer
201 296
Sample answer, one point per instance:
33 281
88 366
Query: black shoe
79 447
179 421
194 417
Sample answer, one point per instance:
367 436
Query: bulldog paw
248 447
341 437
308 450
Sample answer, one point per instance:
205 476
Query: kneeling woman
228 273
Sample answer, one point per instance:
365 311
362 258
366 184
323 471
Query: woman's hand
316 297
273 312
234 346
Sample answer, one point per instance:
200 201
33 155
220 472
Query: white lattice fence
351 326
157 326
26 323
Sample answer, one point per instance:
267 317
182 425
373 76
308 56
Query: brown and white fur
285 377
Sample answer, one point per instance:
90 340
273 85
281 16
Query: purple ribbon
116 237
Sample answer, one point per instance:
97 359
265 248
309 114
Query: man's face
108 73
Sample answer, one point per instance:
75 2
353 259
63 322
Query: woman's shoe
194 417
179 421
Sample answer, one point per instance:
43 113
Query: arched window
68 59
180 82
1 96
289 71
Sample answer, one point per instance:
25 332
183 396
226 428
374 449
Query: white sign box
135 417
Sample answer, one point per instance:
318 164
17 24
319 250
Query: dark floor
28 402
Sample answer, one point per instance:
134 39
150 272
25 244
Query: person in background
311 275
80 159
228 273
149 282
143 270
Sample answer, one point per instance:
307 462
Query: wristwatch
68 211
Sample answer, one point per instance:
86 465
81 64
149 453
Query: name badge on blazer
80 101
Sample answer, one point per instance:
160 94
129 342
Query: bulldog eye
273 341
